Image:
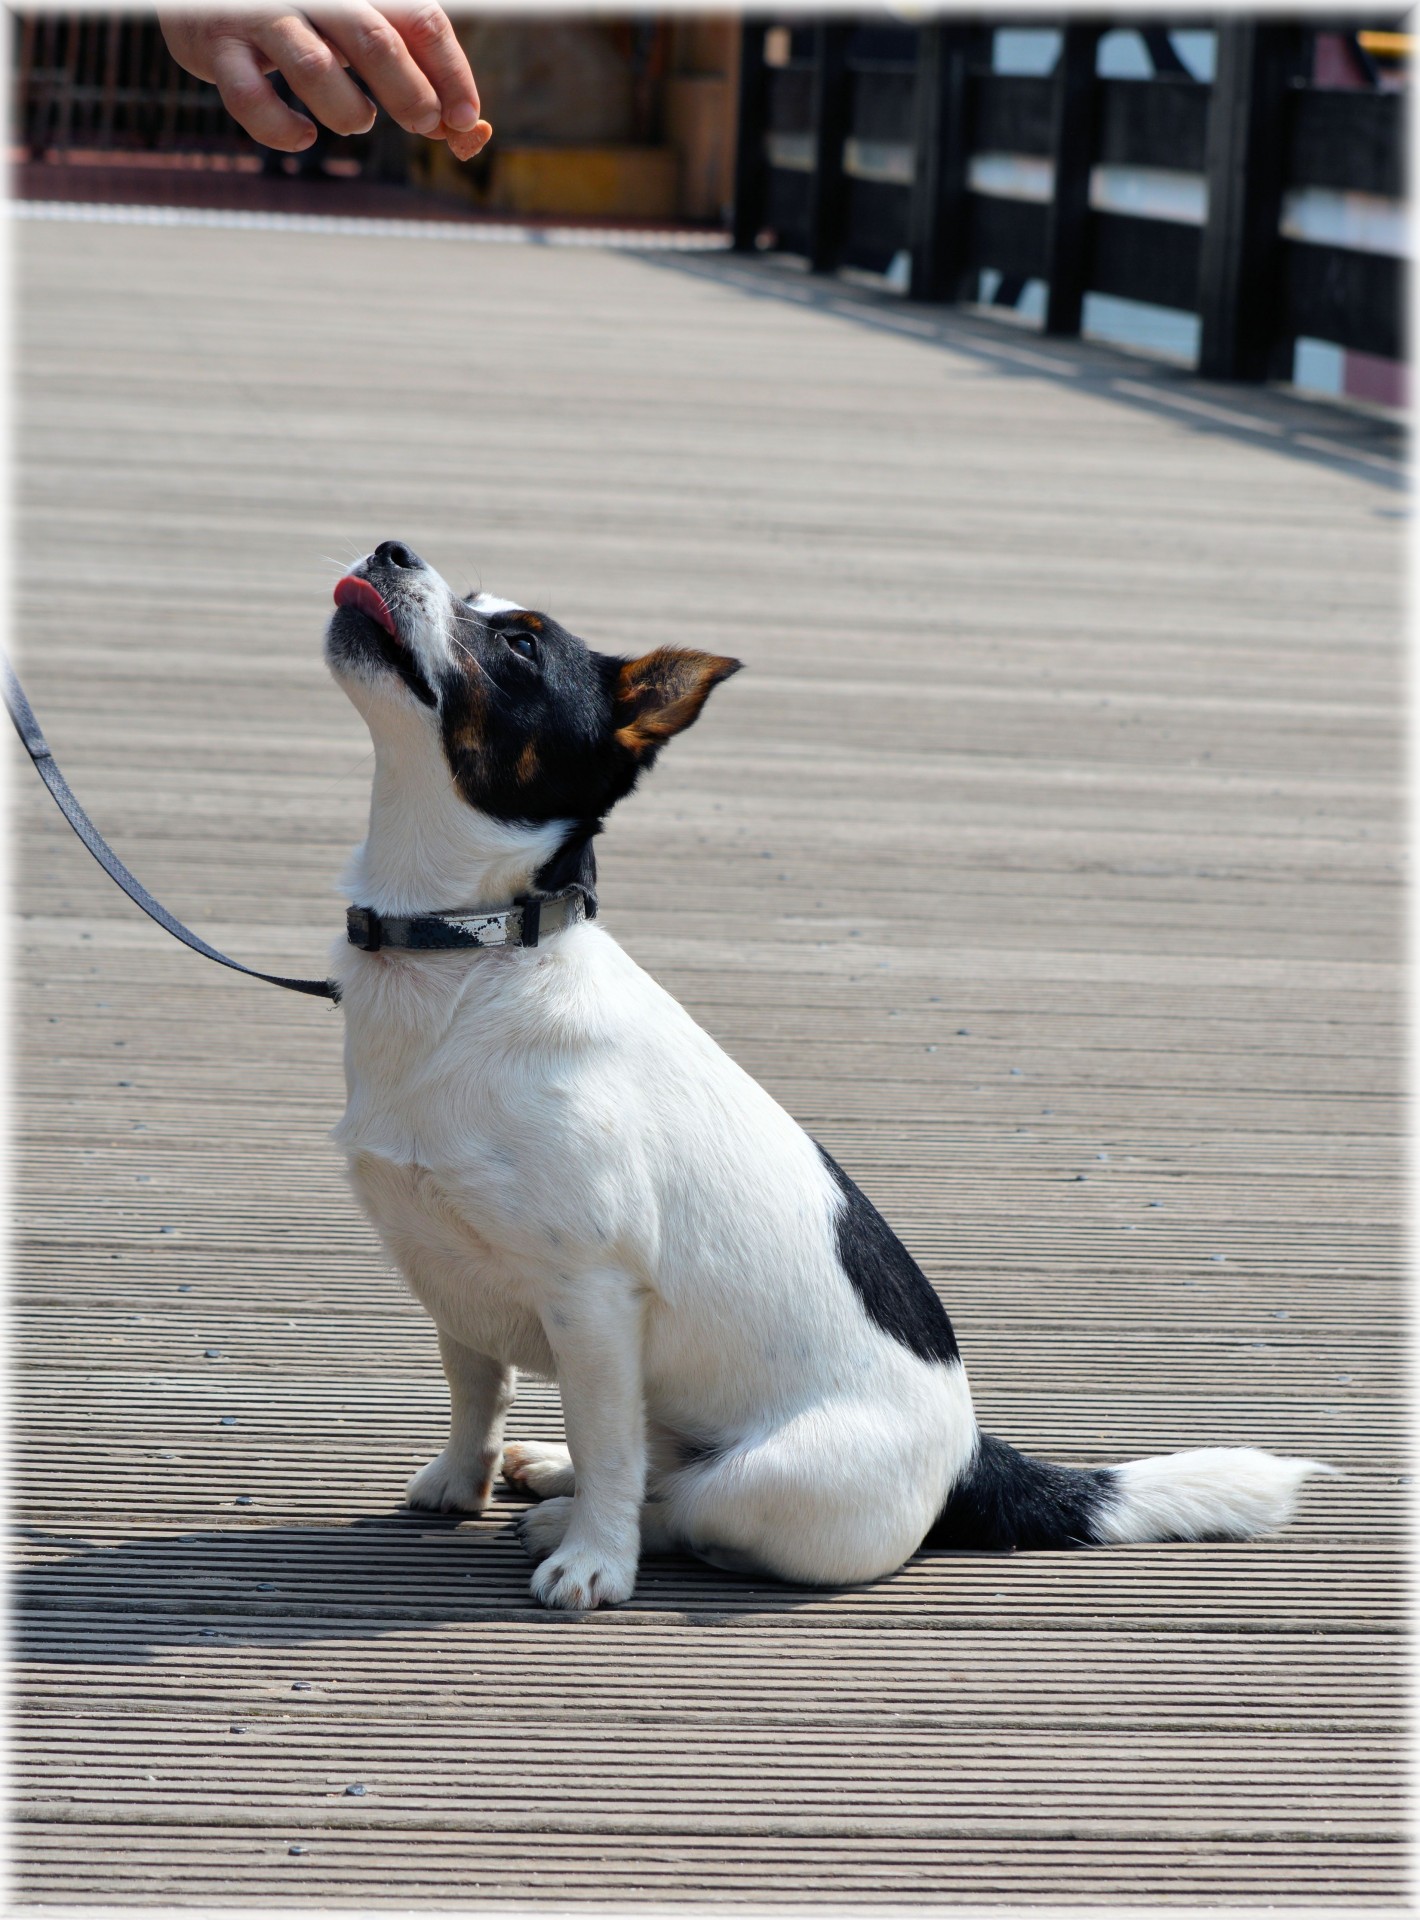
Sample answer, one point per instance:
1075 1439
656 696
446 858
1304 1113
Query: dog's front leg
591 1542
460 1480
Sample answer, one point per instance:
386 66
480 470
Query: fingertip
463 115
292 140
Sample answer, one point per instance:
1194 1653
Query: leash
38 748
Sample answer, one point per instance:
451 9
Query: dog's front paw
542 1470
572 1577
448 1485
576 1578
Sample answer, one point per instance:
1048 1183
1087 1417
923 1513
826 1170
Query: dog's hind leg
538 1467
460 1480
833 1497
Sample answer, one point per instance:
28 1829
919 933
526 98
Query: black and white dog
576 1181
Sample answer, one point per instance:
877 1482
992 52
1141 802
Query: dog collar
523 925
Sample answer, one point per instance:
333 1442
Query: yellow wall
544 78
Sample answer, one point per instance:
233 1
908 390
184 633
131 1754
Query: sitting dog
575 1180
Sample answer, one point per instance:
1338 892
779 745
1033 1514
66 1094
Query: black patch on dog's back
1007 1499
896 1295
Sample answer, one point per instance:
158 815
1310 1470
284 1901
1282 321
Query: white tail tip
1212 1493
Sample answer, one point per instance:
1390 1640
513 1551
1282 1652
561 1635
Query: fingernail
429 122
463 116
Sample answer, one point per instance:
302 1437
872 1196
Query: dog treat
463 146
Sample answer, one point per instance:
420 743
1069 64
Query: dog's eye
523 644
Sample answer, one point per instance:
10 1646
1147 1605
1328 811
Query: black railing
856 146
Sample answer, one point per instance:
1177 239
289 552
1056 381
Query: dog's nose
397 554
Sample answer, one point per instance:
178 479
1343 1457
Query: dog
577 1182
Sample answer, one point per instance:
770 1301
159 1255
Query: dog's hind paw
448 1485
542 1529
543 1471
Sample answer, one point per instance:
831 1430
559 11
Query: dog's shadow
281 1586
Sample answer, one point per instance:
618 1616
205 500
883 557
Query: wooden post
831 77
942 141
1067 233
749 137
1241 250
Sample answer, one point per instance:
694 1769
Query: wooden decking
1044 863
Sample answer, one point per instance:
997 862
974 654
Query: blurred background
1189 172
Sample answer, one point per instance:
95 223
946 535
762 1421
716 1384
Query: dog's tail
1007 1499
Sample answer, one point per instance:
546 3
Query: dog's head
533 725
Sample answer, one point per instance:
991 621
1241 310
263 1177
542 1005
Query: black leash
47 768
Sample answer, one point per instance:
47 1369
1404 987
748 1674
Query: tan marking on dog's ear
662 693
527 762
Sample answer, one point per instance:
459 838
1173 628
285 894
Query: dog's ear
662 693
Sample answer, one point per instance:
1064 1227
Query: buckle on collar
363 929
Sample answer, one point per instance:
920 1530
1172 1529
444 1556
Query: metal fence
105 84
859 146
109 83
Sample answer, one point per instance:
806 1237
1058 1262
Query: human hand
407 55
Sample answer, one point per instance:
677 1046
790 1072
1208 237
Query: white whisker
460 647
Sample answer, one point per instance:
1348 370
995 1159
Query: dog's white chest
466 1279
466 1131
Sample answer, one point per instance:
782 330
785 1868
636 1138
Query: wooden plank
343 1866
1143 789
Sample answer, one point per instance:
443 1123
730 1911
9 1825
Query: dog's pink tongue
355 592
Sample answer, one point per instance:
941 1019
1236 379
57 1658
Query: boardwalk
1043 863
